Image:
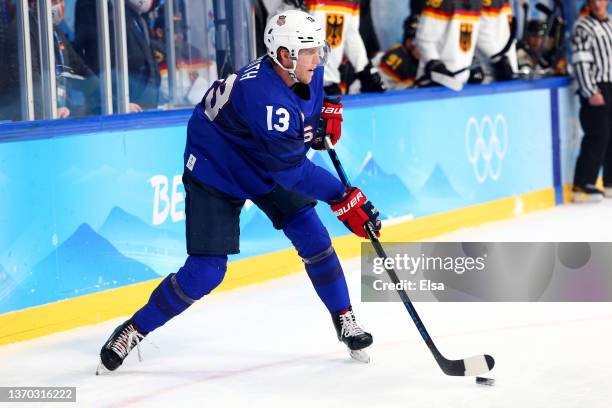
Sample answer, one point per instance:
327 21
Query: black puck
485 381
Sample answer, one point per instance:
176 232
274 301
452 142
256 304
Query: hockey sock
198 277
313 244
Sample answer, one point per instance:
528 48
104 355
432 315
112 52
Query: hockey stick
525 7
501 53
448 81
474 365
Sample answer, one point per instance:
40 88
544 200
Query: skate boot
118 346
587 194
352 335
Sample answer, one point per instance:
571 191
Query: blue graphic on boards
85 263
107 210
378 186
161 250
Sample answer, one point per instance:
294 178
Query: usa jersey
251 132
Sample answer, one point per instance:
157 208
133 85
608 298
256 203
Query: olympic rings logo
486 145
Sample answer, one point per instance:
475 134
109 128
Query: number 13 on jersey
277 119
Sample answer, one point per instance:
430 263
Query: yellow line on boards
95 308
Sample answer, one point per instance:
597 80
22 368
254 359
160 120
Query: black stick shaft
381 253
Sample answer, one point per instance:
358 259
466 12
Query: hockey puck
485 381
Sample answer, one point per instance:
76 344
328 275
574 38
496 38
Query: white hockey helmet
294 30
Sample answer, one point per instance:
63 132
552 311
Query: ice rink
273 344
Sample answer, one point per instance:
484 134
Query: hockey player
341 19
493 35
398 66
248 139
342 29
530 53
446 36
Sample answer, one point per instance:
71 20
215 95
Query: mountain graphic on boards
162 250
386 191
438 186
85 263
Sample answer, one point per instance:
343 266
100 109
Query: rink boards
92 213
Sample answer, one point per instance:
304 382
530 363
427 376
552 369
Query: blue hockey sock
313 244
198 277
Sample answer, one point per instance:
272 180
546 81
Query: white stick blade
447 81
476 365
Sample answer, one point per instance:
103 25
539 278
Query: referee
592 59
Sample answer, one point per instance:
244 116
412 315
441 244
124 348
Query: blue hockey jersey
252 132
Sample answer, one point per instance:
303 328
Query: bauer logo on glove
354 201
330 124
355 211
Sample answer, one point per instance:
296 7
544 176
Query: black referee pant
596 148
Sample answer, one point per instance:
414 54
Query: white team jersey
447 31
494 30
341 21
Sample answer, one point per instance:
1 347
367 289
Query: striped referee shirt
592 53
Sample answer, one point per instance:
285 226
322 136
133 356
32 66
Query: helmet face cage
294 30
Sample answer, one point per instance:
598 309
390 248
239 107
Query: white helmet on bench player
294 30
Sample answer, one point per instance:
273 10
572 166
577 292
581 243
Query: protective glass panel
12 79
194 64
76 58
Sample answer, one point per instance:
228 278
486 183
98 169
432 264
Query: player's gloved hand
503 69
476 75
436 66
354 210
370 79
330 124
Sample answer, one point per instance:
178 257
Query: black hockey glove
437 66
370 79
476 75
502 69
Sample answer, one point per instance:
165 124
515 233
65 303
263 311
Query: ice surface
273 344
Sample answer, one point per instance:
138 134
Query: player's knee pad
201 274
324 267
169 298
307 233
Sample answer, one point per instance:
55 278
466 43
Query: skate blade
582 198
101 369
360 355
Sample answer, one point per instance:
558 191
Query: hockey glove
370 79
437 66
476 75
354 210
503 69
330 124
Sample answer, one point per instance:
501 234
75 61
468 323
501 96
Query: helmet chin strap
290 71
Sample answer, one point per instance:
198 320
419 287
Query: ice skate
118 346
349 332
587 194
